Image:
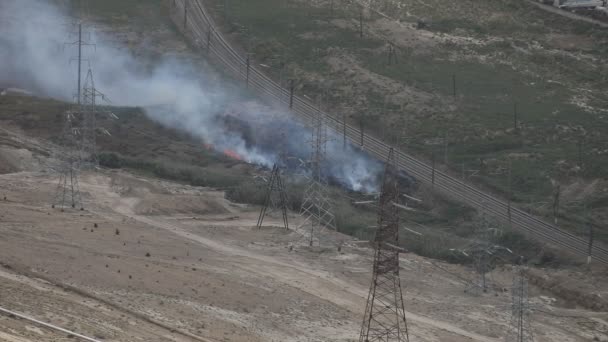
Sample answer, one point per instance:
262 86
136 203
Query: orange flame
231 154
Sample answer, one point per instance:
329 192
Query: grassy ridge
518 58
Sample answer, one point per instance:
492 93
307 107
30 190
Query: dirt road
149 265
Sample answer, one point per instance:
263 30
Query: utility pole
433 168
291 91
580 153
384 319
510 196
226 11
391 54
590 245
361 128
185 14
464 178
209 33
344 130
556 196
445 148
515 124
361 23
281 70
248 67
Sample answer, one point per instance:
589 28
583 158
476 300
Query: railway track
198 26
48 326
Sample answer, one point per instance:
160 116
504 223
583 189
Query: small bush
354 221
247 192
110 160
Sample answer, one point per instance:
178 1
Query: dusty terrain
149 260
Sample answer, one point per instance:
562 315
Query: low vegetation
483 86
307 47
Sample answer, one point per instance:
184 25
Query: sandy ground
149 260
210 273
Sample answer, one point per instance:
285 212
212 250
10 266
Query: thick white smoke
34 56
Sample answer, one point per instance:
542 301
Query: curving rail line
198 26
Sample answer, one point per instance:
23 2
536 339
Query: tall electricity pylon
384 319
89 111
521 328
316 207
484 253
481 250
275 198
80 43
68 188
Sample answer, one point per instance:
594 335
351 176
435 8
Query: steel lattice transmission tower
316 207
484 252
384 319
80 43
481 250
521 328
275 189
89 121
68 188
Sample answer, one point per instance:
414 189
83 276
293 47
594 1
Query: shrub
110 160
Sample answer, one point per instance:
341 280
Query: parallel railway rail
49 326
197 24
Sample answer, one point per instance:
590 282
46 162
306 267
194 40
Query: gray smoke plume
34 56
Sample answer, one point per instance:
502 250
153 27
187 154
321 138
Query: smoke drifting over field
34 56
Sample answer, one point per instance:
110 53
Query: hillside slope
151 260
163 251
484 86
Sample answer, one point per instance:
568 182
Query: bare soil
150 260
